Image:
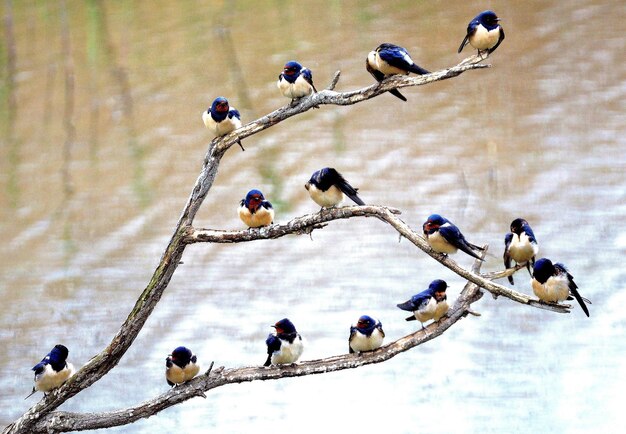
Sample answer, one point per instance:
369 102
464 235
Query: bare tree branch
300 225
329 96
69 421
307 223
39 417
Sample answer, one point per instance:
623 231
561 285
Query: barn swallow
221 119
255 211
444 237
181 366
429 304
484 33
52 371
520 245
553 283
285 345
295 81
327 188
390 59
367 335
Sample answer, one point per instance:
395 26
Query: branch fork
44 417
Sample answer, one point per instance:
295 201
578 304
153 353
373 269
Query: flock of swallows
551 282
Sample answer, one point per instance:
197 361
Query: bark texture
43 416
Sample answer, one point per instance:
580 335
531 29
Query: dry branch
298 226
308 223
40 417
68 421
330 97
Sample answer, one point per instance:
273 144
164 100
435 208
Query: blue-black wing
471 29
273 344
352 333
453 235
398 57
308 76
234 113
417 301
507 257
573 288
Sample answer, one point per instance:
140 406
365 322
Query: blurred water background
101 142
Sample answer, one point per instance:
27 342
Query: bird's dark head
181 356
387 46
326 171
489 19
432 223
438 288
284 326
59 353
316 178
543 270
253 200
365 322
292 68
518 225
220 105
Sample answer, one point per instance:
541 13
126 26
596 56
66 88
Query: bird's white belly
50 379
484 39
262 217
427 312
440 310
298 89
555 289
288 353
361 342
191 370
522 250
220 128
175 374
439 244
329 198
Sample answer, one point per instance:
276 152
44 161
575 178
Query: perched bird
52 371
484 33
520 245
553 283
181 366
285 345
390 59
255 211
295 81
429 304
221 119
367 335
444 237
327 187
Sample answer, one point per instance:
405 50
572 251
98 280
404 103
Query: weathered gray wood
307 223
41 417
68 421
329 97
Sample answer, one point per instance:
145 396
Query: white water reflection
539 135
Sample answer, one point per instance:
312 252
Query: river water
102 141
